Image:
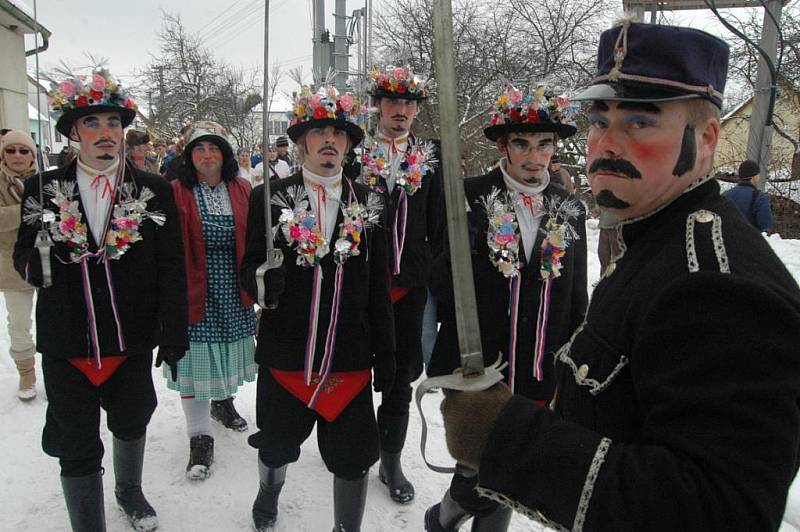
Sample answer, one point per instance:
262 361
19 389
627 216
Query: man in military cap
676 405
117 289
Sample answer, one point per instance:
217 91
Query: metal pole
469 340
759 139
273 258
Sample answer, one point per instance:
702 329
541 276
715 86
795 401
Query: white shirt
248 174
96 196
528 221
395 159
332 203
281 168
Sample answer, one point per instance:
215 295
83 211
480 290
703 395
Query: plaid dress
222 346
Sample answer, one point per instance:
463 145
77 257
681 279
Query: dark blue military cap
650 62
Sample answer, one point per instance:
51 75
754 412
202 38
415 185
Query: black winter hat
748 169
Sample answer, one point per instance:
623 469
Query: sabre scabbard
265 299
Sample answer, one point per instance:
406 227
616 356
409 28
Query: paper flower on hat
399 81
327 103
516 107
83 91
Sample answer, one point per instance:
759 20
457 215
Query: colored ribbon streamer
330 341
513 313
106 186
313 320
399 232
541 328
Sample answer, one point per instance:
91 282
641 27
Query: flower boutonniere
558 235
126 219
356 217
299 227
374 162
503 235
419 160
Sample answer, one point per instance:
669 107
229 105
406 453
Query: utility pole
322 51
759 140
341 55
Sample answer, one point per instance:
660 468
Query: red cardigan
194 245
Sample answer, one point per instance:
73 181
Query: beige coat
9 223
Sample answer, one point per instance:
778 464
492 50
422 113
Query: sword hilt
274 260
43 243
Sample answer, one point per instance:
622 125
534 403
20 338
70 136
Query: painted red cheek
646 151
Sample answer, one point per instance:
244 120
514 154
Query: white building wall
13 80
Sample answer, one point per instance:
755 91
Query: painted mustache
402 117
105 141
328 148
618 166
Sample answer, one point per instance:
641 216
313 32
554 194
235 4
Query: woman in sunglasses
17 162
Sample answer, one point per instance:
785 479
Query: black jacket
677 401
149 280
423 226
568 297
366 325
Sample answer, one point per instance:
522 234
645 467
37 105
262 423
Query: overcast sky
125 33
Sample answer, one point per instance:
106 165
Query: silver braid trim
595 386
533 515
588 485
704 216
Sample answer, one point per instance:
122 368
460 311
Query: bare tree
520 41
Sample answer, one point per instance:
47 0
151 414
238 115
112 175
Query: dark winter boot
265 508
496 521
201 456
128 464
446 516
225 413
349 499
84 498
392 438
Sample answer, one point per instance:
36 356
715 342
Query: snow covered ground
31 494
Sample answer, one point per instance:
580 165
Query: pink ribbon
399 232
541 328
513 312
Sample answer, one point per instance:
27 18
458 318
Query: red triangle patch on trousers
97 376
338 390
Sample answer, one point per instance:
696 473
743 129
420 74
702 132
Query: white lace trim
588 485
217 200
533 515
704 216
595 386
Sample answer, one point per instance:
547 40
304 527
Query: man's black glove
469 418
171 356
384 368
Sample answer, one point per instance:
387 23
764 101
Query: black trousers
72 427
408 313
348 444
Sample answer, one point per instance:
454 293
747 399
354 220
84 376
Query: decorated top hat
639 62
324 108
82 95
534 112
397 82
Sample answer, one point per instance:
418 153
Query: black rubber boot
265 507
496 521
349 499
225 413
201 456
392 438
446 516
128 464
84 498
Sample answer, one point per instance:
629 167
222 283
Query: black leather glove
171 356
384 368
469 418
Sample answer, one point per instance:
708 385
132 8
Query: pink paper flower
515 96
316 100
346 103
399 73
67 89
98 82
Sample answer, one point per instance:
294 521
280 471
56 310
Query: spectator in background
136 146
17 163
277 168
66 155
245 170
751 202
160 149
282 145
173 167
559 175
257 156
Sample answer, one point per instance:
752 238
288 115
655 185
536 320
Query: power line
215 18
232 17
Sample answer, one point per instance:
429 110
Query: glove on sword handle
43 243
456 381
274 260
